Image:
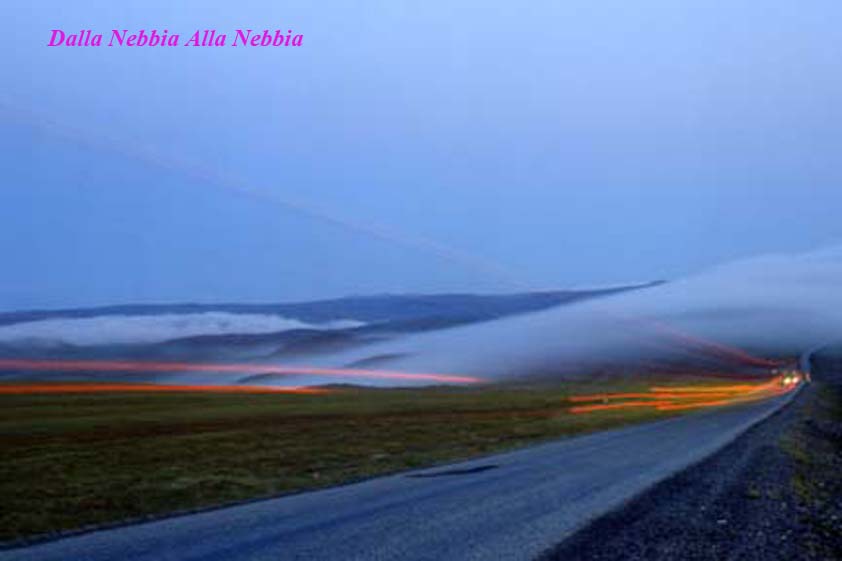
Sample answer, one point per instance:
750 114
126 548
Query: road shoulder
742 503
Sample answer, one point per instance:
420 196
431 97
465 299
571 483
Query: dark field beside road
71 460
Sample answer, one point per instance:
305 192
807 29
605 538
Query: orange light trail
641 395
610 406
607 396
155 366
700 404
665 398
701 389
47 388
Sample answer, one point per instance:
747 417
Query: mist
126 329
770 306
738 316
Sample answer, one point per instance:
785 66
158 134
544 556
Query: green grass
73 460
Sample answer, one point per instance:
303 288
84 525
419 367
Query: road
509 506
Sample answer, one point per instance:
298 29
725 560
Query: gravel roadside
747 502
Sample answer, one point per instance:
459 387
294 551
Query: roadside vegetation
814 444
73 460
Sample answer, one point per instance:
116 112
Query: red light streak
702 389
610 406
156 366
48 388
713 348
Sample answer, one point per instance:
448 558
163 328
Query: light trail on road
677 398
280 370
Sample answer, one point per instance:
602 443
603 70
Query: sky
411 147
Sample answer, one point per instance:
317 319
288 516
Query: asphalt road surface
509 506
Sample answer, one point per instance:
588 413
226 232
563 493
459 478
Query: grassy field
70 460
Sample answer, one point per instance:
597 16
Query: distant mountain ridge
408 308
316 334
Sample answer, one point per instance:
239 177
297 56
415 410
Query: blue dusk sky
411 147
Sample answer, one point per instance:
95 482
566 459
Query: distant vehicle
792 377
